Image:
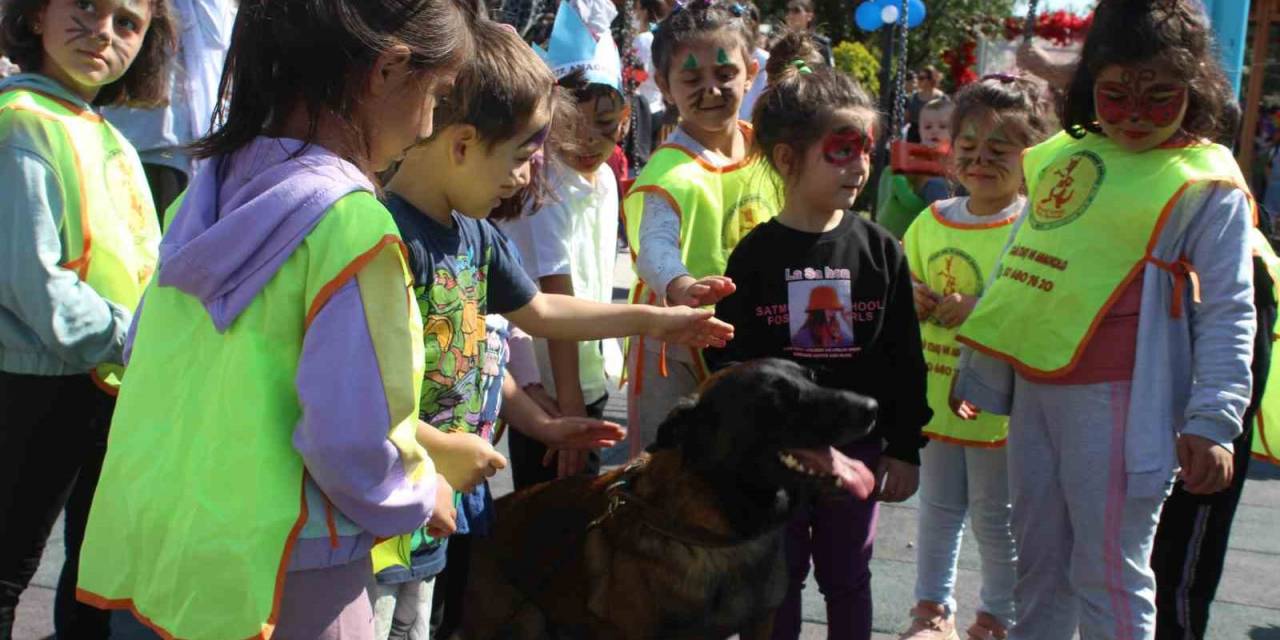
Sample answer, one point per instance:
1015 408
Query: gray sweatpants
1084 543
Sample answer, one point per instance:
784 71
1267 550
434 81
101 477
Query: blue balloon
915 13
867 16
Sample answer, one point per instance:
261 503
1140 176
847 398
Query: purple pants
837 532
327 604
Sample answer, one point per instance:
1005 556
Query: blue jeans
954 481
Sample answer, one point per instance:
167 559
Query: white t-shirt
643 46
757 87
574 234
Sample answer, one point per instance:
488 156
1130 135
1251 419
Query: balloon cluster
873 14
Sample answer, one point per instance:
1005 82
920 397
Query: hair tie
737 9
801 66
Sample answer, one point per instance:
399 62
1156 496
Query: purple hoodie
241 219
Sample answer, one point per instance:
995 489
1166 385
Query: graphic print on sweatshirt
822 313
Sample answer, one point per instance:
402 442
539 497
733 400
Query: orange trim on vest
1182 271
748 134
933 208
981 444
330 523
268 628
349 272
75 109
101 384
1175 306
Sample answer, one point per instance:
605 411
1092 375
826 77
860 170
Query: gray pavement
1247 607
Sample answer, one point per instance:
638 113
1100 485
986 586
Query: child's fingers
548 456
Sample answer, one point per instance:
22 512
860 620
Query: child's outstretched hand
685 291
443 521
1207 467
697 328
466 459
576 433
954 309
925 299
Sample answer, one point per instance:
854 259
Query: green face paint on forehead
722 57
690 63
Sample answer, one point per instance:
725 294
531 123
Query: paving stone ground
1247 608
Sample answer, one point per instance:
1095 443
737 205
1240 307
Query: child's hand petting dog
896 480
465 459
443 521
697 328
576 433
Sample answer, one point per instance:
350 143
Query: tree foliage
861 62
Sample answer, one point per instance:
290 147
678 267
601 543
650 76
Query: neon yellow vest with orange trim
1096 211
201 495
110 234
951 257
717 208
1266 421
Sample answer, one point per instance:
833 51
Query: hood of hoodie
244 215
43 84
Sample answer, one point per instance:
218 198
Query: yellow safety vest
202 492
1096 212
110 237
717 208
951 257
1266 421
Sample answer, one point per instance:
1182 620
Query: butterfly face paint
842 148
1139 107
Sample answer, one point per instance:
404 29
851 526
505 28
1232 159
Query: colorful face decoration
1139 106
842 148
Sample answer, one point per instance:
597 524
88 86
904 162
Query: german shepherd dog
687 541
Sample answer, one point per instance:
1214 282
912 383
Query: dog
687 541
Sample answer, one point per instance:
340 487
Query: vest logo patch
953 270
1066 189
749 211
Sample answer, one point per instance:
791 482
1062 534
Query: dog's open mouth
829 464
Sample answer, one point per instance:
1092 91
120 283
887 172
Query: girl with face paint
80 245
827 288
951 248
1133 255
696 198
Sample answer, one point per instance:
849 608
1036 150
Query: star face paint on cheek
842 148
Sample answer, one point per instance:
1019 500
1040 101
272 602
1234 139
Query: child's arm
65 315
524 414
658 259
344 432
559 317
1222 333
464 459
564 357
906 412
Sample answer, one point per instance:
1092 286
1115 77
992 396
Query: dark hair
1018 102
317 55
796 108
146 82
1174 33
807 5
698 19
657 9
499 88
793 46
928 73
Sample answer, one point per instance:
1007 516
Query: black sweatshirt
839 302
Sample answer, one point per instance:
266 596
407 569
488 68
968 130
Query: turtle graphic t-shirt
839 302
460 274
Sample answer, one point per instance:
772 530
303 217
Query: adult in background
926 91
751 14
800 18
161 134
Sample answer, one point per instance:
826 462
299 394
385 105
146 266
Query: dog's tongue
854 476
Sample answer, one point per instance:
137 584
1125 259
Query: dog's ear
671 431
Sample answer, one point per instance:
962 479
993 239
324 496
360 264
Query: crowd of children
401 237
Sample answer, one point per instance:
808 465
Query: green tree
861 62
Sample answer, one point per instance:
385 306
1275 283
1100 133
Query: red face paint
1134 99
842 148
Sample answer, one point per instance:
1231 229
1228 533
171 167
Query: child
567 244
831 290
490 126
242 491
1118 331
699 195
78 242
951 247
935 131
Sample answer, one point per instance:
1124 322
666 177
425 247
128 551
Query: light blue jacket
1191 374
51 323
